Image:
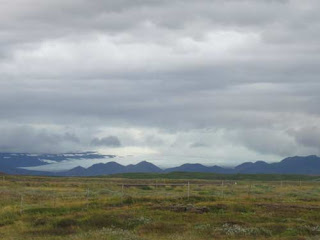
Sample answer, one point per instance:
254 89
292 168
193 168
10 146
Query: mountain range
14 163
112 168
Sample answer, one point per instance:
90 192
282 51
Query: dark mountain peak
106 165
105 168
302 165
254 167
300 157
297 159
143 166
216 166
78 168
113 163
244 165
77 171
189 167
260 163
144 163
192 165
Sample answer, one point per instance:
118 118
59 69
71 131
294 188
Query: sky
208 81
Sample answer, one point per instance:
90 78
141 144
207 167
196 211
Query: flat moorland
99 208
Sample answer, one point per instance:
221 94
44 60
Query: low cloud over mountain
20 163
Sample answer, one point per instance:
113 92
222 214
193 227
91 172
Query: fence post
21 204
88 191
249 189
122 193
188 190
54 201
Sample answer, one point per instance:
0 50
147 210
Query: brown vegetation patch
161 228
183 208
279 206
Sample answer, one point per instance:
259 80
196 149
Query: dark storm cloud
28 139
248 67
307 136
110 141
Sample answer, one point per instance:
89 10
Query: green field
160 206
215 176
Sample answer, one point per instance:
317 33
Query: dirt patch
183 208
279 206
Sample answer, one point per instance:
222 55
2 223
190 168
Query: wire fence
45 195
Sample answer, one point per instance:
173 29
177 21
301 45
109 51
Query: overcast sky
209 81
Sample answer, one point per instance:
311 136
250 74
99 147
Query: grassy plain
140 206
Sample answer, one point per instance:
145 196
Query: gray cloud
268 141
110 141
198 145
307 136
37 140
158 70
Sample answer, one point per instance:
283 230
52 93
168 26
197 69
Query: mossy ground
101 208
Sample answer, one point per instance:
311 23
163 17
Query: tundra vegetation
158 206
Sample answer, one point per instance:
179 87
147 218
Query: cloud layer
207 81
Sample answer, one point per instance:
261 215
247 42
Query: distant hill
256 167
12 163
143 167
301 165
196 167
112 168
292 165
